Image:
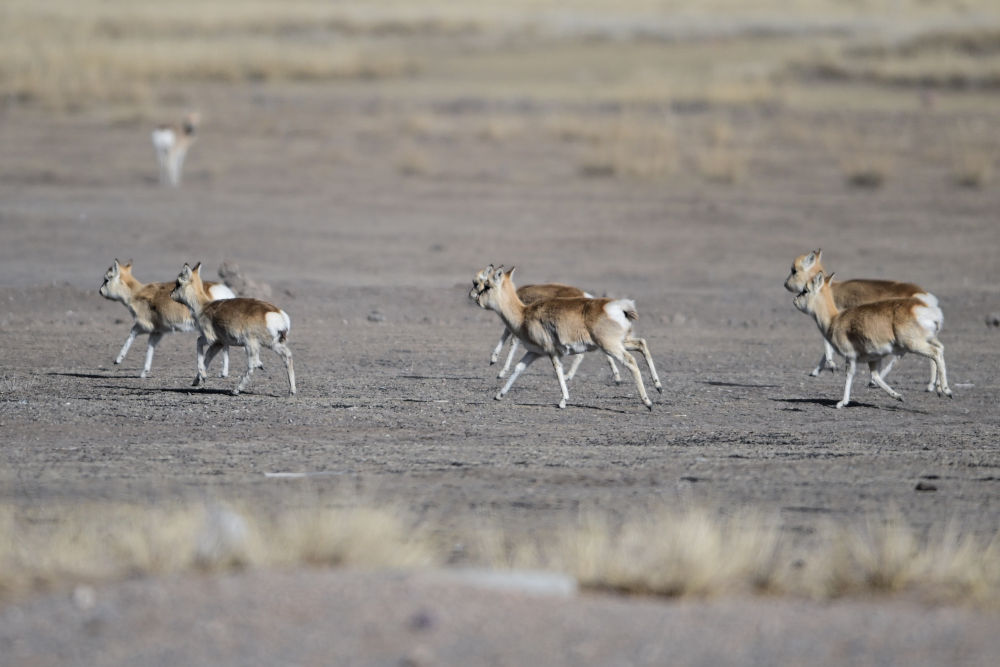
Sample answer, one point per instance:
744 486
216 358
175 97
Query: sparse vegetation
674 554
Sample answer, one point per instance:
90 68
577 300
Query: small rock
376 316
993 320
924 486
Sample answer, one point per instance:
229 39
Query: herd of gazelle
873 321
221 318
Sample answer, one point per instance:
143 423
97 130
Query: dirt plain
303 187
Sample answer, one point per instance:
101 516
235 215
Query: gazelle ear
829 278
197 269
809 260
116 267
128 264
510 274
817 282
497 275
185 272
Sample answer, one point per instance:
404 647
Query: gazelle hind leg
253 361
640 344
933 384
224 373
873 367
629 362
154 339
942 375
286 355
614 369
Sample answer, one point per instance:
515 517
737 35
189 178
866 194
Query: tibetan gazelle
529 294
243 322
171 143
874 332
851 293
559 327
153 311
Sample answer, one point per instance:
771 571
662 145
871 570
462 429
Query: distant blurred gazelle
171 143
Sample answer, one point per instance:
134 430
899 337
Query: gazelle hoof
899 397
562 404
814 373
197 381
649 405
841 404
236 392
659 388
143 374
498 397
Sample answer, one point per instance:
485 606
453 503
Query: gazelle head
190 123
188 287
479 282
489 296
806 300
115 286
804 268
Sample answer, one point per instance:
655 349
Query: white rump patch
927 298
220 291
277 322
929 318
164 139
616 311
588 295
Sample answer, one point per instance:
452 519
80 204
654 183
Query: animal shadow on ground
832 403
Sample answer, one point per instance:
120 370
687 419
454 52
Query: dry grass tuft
671 554
628 146
865 170
973 169
888 556
411 161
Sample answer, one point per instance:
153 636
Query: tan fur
153 311
242 322
874 332
530 294
849 294
564 326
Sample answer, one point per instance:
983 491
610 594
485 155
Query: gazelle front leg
135 331
826 361
574 365
496 351
224 373
851 368
202 374
510 357
557 364
528 359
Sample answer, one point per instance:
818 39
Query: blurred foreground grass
673 553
